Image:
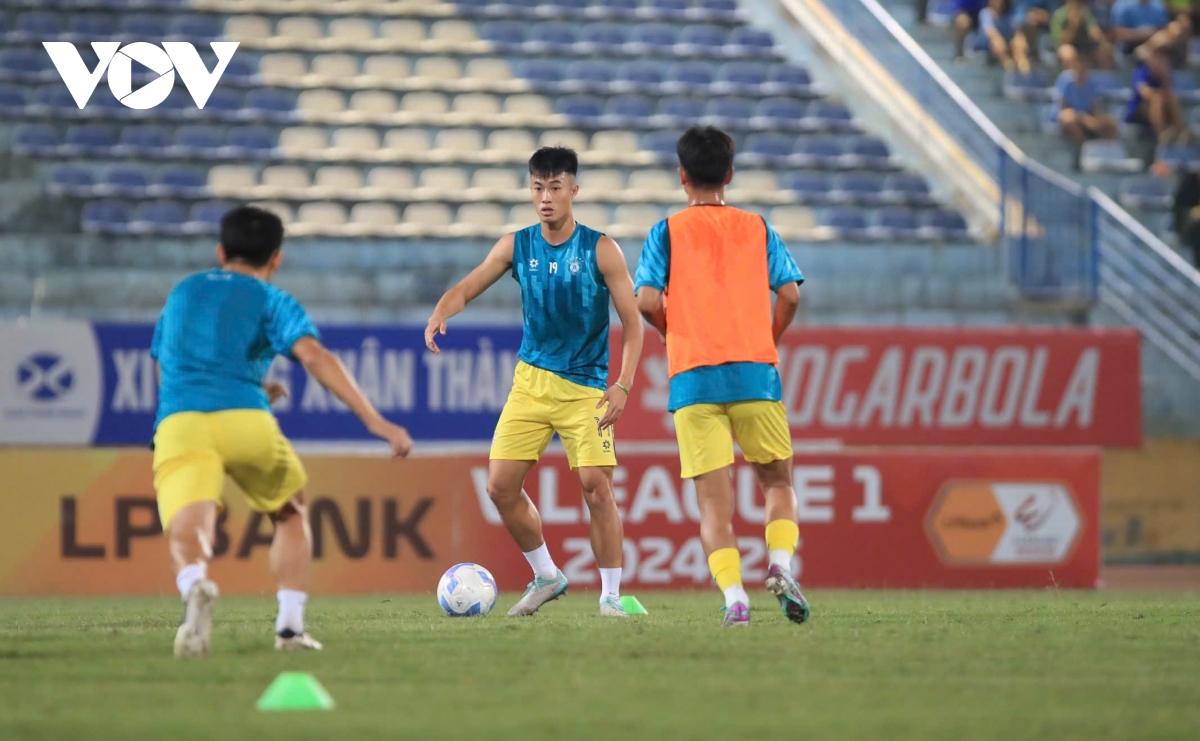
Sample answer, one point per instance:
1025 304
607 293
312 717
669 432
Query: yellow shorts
705 445
541 404
194 450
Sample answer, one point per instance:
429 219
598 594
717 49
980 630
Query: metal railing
1063 242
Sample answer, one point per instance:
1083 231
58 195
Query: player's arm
329 371
785 278
650 306
611 262
494 266
654 266
787 303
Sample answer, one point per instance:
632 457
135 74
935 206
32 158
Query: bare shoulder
503 249
606 246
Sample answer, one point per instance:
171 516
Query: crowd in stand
1147 35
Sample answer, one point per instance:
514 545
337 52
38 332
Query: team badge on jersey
575 265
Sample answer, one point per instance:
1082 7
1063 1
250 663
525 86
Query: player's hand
395 436
615 398
436 326
275 391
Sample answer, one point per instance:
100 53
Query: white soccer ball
467 589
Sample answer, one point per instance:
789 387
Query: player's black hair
251 235
550 161
706 155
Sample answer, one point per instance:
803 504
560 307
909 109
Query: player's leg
706 455
762 430
188 475
268 471
592 452
522 434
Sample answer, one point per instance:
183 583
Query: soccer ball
467 589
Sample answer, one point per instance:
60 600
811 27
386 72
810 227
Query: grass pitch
894 665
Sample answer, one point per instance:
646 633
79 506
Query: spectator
1031 19
1135 21
1075 32
1154 103
1185 213
999 38
966 19
1081 115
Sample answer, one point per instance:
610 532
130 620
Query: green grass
937 665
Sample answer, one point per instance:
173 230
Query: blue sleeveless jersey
565 304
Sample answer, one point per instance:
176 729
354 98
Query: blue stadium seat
847 222
1109 83
503 32
866 151
944 224
629 107
205 217
661 143
813 187
241 70
743 74
829 114
858 187
26 65
783 112
129 181
1099 155
1185 85
195 28
579 106
36 141
105 217
1032 85
1177 156
540 70
619 4
685 109
249 141
656 35
144 27
752 37
554 34
1151 192
223 103
723 6
88 28
268 103
730 109
679 5
692 73
37 27
604 36
767 146
180 182
908 188
592 72
143 141
895 223
819 150
789 76
158 217
12 100
704 36
642 73
90 140
70 180
196 141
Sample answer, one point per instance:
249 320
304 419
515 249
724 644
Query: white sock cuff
610 582
189 575
542 564
291 611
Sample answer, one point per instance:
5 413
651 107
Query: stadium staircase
391 135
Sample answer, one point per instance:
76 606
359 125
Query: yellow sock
782 538
726 567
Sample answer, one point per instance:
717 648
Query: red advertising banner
85 522
911 386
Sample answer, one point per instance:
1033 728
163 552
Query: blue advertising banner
79 383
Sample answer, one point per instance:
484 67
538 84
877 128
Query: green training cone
295 691
632 606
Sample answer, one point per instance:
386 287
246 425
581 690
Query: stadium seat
438 68
579 106
12 101
681 108
788 78
604 37
223 103
503 32
105 217
1150 192
779 112
56 101
144 26
231 180
692 73
751 37
635 219
282 210
506 141
70 180
25 65
336 181
553 34
205 217
865 151
399 143
593 215
653 183
194 28
495 183
821 151
830 113
293 29
655 35
36 27
1109 84
244 28
943 224
907 188
301 141
268 104
754 182
319 217
600 184
540 71
475 105
381 69
642 73
373 105
402 31
281 68
158 217
1030 86
328 69
195 142
241 71
730 110
352 143
179 182
589 74
427 103
90 141
659 142
793 220
88 28
283 181
428 216
386 182
35 141
857 187
705 37
453 32
489 69
767 146
1098 155
1185 86
739 75
350 30
811 187
850 223
894 223
530 106
564 138
373 218
628 107
480 216
249 141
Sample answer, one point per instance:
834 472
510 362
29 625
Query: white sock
541 562
736 593
189 575
782 559
291 611
610 583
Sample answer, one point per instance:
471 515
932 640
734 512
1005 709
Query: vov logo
179 56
